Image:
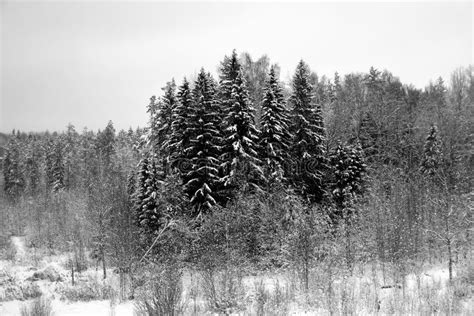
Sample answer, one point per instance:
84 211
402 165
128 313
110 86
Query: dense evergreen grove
249 171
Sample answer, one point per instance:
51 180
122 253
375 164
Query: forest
248 195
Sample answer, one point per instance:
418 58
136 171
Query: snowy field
430 284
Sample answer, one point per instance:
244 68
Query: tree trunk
450 260
122 284
102 254
449 244
72 272
306 277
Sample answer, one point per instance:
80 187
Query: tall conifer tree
180 128
241 137
274 137
349 170
432 153
202 181
308 133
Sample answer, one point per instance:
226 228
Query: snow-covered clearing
18 243
361 292
60 308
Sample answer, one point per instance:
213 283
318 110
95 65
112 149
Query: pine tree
432 153
274 137
308 135
202 181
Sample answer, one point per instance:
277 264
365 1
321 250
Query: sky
89 62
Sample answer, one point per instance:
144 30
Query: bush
38 307
49 273
88 290
4 245
11 289
271 302
463 284
162 295
10 252
224 291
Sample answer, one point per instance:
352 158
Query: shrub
49 273
11 252
38 307
12 289
261 298
4 245
162 295
88 290
223 291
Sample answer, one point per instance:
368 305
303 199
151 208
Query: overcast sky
86 63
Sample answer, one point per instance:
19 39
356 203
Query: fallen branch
156 239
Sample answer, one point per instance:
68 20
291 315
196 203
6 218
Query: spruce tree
240 150
32 166
12 171
161 125
180 135
375 85
274 137
432 153
337 85
202 180
49 163
88 159
165 114
152 109
308 137
228 70
150 215
349 170
139 192
131 189
57 171
106 146
70 157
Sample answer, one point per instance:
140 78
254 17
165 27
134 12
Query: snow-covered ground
433 280
60 308
19 245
